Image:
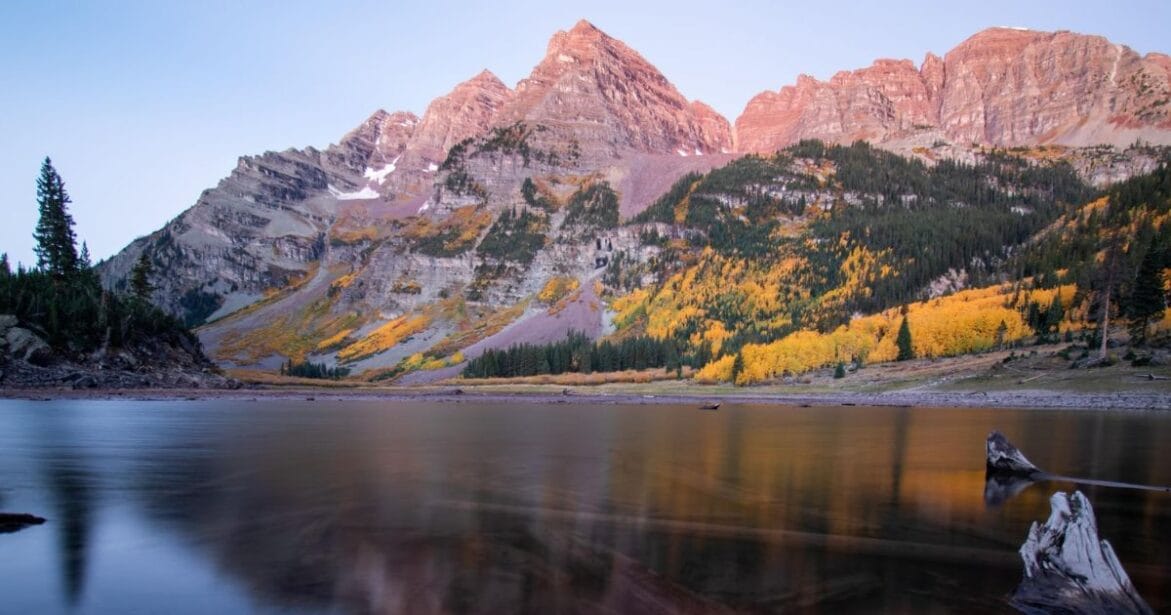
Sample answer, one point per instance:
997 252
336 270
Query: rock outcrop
27 361
14 522
1002 458
1001 87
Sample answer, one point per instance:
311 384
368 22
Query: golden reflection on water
421 508
637 508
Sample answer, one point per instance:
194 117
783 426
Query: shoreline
1038 399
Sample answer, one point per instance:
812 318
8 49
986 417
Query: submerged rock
1005 459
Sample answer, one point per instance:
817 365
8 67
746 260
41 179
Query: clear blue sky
144 103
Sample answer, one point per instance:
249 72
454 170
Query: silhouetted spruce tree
1106 286
5 269
1054 315
140 284
903 341
1147 300
56 247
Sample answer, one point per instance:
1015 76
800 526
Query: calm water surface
348 506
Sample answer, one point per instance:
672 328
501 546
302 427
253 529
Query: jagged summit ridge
1001 86
596 110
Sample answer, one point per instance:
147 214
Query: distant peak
583 26
583 35
403 118
382 116
484 79
485 75
379 115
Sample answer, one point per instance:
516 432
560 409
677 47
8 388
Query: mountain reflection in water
416 508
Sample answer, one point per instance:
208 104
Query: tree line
62 298
577 353
309 369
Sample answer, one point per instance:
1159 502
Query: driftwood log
1068 569
14 522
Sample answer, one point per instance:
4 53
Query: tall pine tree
903 341
140 284
56 247
83 260
1147 301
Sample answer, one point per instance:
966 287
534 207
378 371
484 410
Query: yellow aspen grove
719 370
969 321
384 337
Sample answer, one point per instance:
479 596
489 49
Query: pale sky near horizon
143 104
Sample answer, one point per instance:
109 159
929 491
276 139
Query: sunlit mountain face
594 197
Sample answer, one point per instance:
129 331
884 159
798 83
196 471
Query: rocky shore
103 381
27 362
1039 399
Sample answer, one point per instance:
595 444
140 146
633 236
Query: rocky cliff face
328 247
260 227
1002 87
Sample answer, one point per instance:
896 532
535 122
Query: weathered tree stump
1068 569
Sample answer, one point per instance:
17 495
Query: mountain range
505 215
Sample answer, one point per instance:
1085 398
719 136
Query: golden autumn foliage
340 234
294 335
456 232
701 299
716 335
630 308
968 321
384 337
421 362
556 288
859 271
343 281
473 328
334 340
579 379
719 370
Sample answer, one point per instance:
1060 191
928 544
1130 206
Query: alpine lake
276 506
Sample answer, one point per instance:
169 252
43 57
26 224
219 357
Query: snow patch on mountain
364 193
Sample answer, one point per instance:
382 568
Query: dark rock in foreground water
1005 459
14 522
